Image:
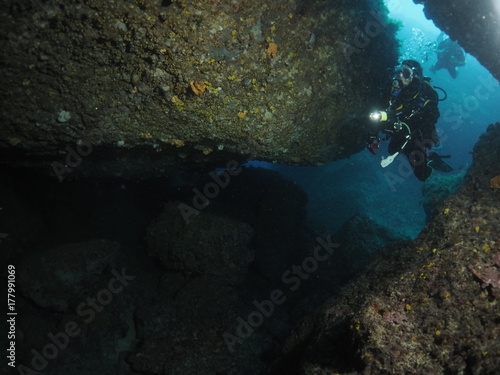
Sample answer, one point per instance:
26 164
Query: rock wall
474 24
426 308
177 83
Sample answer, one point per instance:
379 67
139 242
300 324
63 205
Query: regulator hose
444 92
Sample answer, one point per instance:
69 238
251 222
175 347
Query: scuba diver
409 121
450 56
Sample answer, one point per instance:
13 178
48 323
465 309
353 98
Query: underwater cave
234 187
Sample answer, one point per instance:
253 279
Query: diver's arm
423 124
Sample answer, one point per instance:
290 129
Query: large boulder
219 263
211 245
74 271
187 82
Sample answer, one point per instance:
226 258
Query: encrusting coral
272 50
196 66
198 87
489 274
495 182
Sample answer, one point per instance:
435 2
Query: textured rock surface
75 269
173 315
208 245
183 82
361 239
227 256
436 189
87 286
427 308
193 343
474 24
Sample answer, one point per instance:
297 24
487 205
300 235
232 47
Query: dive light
379 116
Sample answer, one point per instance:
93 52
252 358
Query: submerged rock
436 189
474 24
361 239
426 308
221 266
209 244
156 86
75 269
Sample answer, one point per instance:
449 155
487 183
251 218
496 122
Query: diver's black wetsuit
450 55
417 105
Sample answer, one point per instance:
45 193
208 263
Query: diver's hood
404 76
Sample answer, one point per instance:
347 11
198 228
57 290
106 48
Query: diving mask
403 75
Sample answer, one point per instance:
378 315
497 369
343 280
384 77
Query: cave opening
229 256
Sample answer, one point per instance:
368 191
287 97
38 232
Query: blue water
472 97
392 196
